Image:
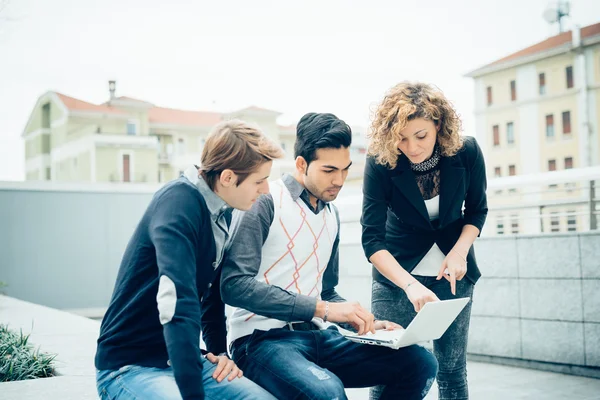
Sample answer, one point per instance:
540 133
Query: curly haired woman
424 204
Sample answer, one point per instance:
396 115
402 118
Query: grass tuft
19 360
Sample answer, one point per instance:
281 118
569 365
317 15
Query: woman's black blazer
394 216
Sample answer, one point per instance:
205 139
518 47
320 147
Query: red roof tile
79 105
550 43
162 115
255 108
159 115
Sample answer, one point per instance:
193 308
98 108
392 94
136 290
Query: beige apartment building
129 140
538 110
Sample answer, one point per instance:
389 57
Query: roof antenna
556 12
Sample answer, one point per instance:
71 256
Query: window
180 146
514 224
131 128
550 126
554 222
510 133
46 144
126 168
497 174
569 186
512 171
489 95
571 221
499 225
569 72
552 167
542 81
513 90
566 122
496 134
46 116
568 162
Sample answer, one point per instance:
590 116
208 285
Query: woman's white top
432 262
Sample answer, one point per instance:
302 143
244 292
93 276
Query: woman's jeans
389 302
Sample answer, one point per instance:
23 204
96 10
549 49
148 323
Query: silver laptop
429 324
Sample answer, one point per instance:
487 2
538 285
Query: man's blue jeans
133 382
319 364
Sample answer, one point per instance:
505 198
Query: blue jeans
134 382
391 303
320 364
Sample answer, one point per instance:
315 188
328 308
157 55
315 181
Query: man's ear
228 178
301 165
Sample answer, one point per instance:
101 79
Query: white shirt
432 262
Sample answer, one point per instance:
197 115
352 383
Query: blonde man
164 295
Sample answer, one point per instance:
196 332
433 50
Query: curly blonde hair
407 101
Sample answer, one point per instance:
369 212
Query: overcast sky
294 57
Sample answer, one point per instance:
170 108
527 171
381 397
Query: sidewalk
73 338
498 382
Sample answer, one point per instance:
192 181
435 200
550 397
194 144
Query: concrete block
553 341
496 336
549 257
60 387
591 301
496 297
592 345
551 299
497 257
589 245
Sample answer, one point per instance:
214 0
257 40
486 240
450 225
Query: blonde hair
238 146
403 103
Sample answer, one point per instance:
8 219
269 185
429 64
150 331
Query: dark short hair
320 131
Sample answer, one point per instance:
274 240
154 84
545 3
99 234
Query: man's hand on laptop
348 312
386 325
419 295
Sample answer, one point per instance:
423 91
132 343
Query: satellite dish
564 8
550 15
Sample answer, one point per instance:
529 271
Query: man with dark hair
149 344
281 272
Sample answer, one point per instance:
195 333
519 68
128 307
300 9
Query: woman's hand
419 295
454 268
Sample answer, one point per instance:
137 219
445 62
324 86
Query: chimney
576 36
112 87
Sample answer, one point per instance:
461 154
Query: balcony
165 158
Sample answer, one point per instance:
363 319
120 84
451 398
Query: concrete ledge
71 337
588 372
60 387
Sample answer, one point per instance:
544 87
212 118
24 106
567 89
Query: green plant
19 360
